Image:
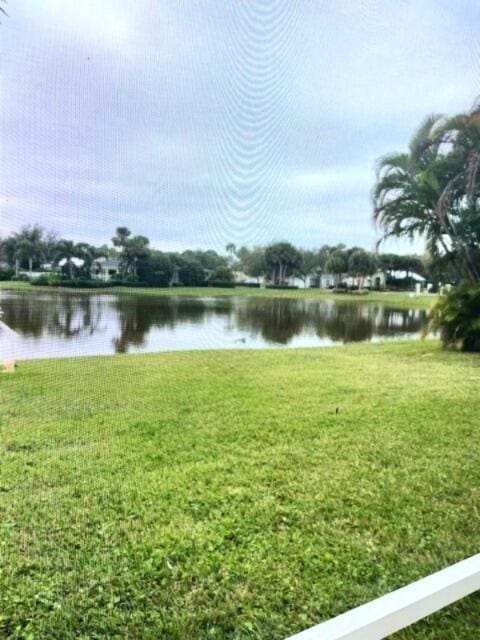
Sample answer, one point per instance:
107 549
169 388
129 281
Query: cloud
200 123
333 180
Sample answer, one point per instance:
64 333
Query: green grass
395 299
221 495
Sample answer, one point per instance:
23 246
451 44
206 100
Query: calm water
64 324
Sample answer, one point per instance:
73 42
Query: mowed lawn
400 299
234 495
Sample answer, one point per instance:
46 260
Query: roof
78 262
401 275
107 263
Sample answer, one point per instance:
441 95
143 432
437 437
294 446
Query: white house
243 278
105 268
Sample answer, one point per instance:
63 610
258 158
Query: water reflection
62 324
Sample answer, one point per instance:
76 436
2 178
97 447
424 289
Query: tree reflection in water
136 320
120 323
279 320
63 315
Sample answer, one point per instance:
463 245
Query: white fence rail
8 347
390 613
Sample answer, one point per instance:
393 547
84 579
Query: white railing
390 613
8 347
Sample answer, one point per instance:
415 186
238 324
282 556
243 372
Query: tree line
281 260
34 249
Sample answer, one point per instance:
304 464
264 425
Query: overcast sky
201 123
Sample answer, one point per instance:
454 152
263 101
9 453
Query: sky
203 123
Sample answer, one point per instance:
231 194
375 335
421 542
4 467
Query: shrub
86 284
222 274
7 273
252 285
22 277
191 273
47 280
359 292
281 286
457 316
221 283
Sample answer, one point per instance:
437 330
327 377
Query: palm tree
28 246
231 249
120 239
425 192
67 250
459 204
134 250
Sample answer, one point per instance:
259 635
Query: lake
58 324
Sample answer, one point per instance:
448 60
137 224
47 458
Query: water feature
58 324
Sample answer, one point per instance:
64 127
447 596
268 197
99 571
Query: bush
191 273
47 280
252 285
7 273
86 284
222 274
219 283
457 316
281 286
22 277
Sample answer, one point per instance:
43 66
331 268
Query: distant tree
8 251
156 269
28 247
133 250
50 242
231 249
209 259
387 262
337 264
361 264
67 250
252 261
282 259
310 264
120 239
222 274
190 272
136 250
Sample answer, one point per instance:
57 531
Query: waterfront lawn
234 495
400 299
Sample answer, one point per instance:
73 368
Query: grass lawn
221 495
395 299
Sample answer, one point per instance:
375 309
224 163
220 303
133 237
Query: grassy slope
219 494
400 299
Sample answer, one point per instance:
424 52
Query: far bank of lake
61 323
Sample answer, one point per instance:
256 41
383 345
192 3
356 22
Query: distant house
404 275
376 281
242 278
47 266
78 262
105 268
